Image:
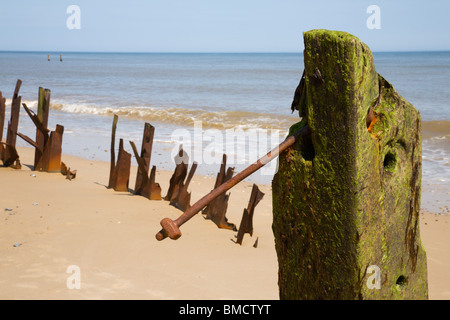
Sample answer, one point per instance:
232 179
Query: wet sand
50 226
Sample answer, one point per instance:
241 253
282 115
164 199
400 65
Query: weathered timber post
346 198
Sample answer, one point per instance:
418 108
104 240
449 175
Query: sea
211 104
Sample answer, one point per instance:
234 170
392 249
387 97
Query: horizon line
204 52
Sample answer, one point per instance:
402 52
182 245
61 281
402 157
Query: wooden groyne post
346 199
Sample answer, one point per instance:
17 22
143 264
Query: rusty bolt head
171 229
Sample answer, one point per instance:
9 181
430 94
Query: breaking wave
186 117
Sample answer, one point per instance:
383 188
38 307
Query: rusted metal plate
183 199
50 161
15 112
246 225
224 187
65 171
48 147
45 134
9 154
112 170
217 208
179 174
2 122
42 116
55 149
149 188
146 152
119 174
219 180
154 189
122 169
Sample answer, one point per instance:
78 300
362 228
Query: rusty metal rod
171 227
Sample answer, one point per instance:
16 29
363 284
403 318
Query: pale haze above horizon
218 26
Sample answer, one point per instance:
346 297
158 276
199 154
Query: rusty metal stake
2 122
171 228
148 187
49 149
42 115
70 174
122 169
178 175
246 225
146 153
112 171
51 157
119 173
182 200
153 189
10 155
216 210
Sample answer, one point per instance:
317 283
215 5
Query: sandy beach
50 224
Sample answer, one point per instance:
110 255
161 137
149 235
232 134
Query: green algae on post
346 201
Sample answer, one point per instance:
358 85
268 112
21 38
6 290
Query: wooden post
346 199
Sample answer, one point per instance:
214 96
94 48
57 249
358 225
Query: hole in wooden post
307 148
390 161
401 282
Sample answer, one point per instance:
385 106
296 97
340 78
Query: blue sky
218 25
